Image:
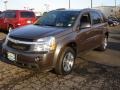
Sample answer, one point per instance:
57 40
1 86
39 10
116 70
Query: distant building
110 10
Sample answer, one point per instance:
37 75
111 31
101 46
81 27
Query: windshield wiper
37 24
44 24
49 25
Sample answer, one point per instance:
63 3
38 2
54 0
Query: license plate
11 56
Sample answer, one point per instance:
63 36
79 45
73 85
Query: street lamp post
0 5
5 2
91 3
69 4
115 8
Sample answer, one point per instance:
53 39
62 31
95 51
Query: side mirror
85 25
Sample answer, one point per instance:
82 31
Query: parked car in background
56 39
11 19
118 20
113 21
38 17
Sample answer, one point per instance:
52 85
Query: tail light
18 24
29 22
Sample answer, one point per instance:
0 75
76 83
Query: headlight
45 44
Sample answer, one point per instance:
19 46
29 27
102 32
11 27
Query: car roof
19 10
79 10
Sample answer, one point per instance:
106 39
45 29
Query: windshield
58 18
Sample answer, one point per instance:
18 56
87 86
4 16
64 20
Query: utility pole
69 4
5 2
115 8
91 3
0 4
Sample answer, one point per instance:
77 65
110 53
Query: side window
2 15
85 20
10 14
96 18
27 14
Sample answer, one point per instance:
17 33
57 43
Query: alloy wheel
68 61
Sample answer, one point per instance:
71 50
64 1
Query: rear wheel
66 61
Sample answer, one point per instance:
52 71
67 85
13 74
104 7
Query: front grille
18 46
21 39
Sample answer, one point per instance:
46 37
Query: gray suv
56 39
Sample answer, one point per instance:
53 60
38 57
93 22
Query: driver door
85 36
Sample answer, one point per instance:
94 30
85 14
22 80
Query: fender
59 49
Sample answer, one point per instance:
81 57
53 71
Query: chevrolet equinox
56 39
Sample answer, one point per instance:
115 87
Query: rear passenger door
98 27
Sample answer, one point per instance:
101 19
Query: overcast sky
54 4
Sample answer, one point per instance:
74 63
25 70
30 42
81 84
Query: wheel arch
60 49
107 34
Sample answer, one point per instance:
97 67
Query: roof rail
60 9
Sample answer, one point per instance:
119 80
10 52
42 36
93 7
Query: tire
65 62
104 44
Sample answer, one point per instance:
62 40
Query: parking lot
87 74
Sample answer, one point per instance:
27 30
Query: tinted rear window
27 14
2 15
10 14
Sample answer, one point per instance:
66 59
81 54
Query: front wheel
66 61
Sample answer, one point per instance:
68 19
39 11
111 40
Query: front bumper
42 61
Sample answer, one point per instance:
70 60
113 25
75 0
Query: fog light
37 59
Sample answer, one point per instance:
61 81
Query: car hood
35 32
